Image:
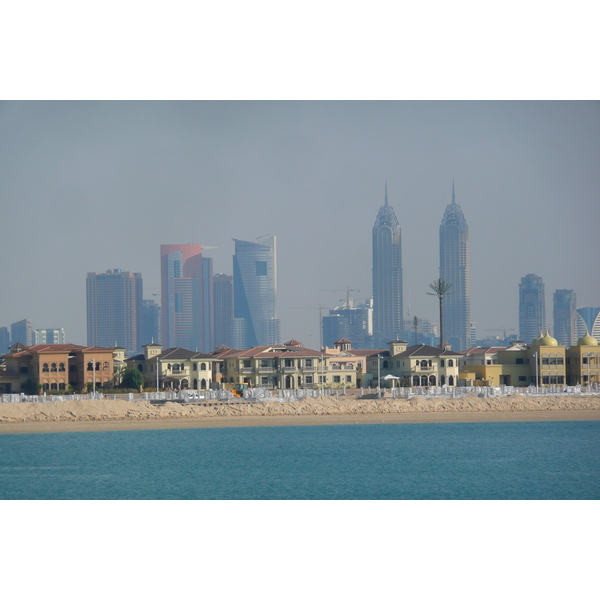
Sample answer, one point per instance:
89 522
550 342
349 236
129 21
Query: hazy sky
90 186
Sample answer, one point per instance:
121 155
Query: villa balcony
266 370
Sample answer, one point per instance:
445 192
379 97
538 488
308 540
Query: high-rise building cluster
200 311
389 321
570 323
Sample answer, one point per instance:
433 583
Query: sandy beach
116 415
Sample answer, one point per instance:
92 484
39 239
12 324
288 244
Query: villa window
195 368
309 379
203 366
289 362
560 360
62 387
45 368
442 364
308 362
336 379
544 360
450 363
348 378
264 363
61 367
385 364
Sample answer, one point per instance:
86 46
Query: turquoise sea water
542 460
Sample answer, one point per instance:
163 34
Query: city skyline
310 173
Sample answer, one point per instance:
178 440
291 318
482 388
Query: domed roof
548 340
544 340
587 340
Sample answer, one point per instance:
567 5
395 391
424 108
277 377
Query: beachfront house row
415 366
286 366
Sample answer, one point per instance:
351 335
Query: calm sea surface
549 460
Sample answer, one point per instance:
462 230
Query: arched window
203 384
450 363
424 380
385 364
450 380
90 366
423 364
195 368
97 366
416 380
61 367
185 383
203 366
429 363
195 381
53 367
45 368
169 366
140 368
62 386
442 380
442 363
105 367
53 386
45 387
432 380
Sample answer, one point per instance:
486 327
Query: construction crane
347 290
321 309
503 329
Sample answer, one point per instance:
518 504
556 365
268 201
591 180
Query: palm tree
440 288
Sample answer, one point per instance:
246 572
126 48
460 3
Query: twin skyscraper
388 315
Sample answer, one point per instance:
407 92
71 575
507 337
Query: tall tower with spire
387 276
454 269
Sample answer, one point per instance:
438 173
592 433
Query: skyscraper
187 309
455 269
255 290
223 291
4 340
532 308
21 331
565 317
151 326
114 309
387 276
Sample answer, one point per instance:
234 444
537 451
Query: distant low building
49 336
